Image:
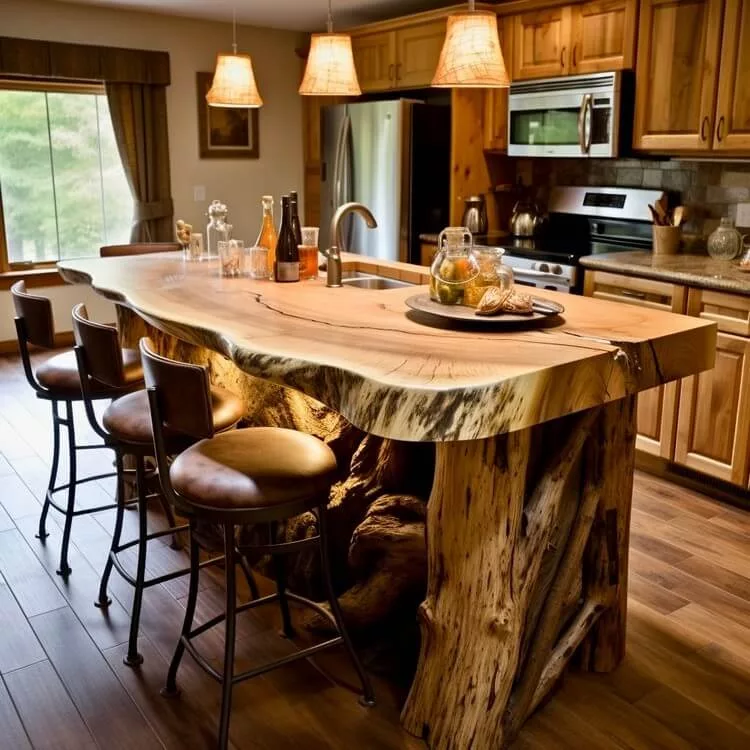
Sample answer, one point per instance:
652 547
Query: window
63 192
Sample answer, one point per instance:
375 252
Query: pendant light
234 81
330 69
471 56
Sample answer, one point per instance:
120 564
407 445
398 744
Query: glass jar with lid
725 243
454 268
217 230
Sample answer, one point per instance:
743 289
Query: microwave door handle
588 123
585 101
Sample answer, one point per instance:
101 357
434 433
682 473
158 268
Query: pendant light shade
234 80
471 55
234 83
330 69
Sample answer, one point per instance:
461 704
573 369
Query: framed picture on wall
225 133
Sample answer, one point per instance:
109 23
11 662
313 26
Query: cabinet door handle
704 127
575 55
562 57
391 69
720 129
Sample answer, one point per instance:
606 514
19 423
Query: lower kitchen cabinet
657 408
714 418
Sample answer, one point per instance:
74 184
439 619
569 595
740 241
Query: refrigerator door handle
348 165
337 167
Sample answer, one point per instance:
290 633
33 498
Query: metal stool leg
104 601
170 690
53 471
65 569
133 658
279 566
228 677
368 695
248 571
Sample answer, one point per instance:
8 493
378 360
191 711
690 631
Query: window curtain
139 118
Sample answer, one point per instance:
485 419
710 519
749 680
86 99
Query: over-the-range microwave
584 116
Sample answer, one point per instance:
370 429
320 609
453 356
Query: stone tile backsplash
710 189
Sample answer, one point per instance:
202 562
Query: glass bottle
726 242
287 250
217 230
455 267
296 225
268 237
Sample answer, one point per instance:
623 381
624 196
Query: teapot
525 220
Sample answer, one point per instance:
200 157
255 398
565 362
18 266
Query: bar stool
258 475
126 428
57 381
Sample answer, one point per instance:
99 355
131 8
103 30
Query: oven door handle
584 138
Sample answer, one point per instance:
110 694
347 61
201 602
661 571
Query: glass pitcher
455 267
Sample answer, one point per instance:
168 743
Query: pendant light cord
234 30
330 18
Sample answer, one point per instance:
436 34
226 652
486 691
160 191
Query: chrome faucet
333 253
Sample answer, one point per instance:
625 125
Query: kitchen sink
374 282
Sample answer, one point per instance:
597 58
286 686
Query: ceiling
298 15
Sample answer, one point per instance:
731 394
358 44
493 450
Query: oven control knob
557 270
542 267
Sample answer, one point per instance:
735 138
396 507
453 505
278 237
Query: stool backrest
140 248
183 393
35 314
101 348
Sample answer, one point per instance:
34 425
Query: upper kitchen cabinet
418 53
677 74
541 43
732 132
375 60
603 36
403 58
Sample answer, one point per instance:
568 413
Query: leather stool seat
254 470
129 419
59 374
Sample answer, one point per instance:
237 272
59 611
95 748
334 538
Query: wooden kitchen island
528 520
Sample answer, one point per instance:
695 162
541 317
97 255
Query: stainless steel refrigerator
393 156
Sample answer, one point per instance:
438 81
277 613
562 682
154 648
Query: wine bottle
287 252
267 237
296 226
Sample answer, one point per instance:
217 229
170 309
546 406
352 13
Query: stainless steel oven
587 116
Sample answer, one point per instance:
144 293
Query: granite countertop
479 239
692 270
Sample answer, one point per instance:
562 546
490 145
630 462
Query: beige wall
192 46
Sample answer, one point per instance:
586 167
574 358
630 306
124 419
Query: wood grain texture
360 354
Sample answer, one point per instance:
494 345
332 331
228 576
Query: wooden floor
685 682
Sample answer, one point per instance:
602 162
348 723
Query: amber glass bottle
268 237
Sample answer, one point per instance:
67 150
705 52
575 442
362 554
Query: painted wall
192 46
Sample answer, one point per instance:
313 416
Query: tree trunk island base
524 567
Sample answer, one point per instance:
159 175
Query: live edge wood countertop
360 353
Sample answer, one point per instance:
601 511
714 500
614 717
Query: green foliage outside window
63 188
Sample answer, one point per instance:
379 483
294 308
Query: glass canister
492 272
454 268
217 230
725 243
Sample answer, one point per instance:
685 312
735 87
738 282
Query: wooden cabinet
496 100
732 132
375 60
405 58
418 53
677 74
541 43
714 419
603 35
657 408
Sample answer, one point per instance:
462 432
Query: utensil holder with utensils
667 240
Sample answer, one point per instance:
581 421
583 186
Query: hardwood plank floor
685 682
